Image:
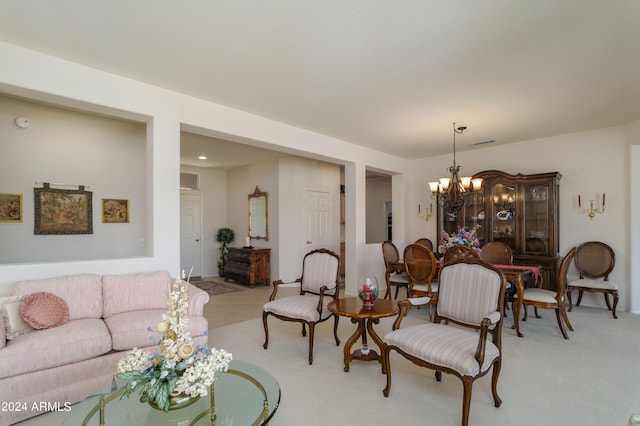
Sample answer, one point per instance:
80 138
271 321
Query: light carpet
592 379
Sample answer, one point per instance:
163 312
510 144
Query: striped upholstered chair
318 286
468 311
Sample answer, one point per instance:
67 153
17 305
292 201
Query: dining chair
459 251
468 312
535 245
420 267
549 299
318 286
425 242
594 261
394 274
499 253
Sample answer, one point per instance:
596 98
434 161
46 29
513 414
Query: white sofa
52 368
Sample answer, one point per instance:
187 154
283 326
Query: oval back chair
393 269
594 261
425 242
497 252
420 266
460 252
549 299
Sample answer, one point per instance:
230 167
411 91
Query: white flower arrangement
177 368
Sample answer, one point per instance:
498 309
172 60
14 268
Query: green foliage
225 236
154 384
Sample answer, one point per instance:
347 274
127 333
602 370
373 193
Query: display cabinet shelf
519 210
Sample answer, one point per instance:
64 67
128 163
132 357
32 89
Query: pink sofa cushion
44 310
134 329
83 293
135 292
138 329
41 349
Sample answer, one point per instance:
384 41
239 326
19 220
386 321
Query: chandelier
451 191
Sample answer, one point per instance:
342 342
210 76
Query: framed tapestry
62 211
115 211
10 207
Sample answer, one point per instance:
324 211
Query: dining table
518 275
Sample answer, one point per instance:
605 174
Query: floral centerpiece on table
462 237
176 368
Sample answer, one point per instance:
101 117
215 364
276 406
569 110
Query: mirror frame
256 216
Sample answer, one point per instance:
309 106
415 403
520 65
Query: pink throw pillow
44 310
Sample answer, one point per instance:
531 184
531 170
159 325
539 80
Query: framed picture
10 207
62 211
115 211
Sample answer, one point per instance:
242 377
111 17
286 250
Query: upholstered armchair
319 284
465 339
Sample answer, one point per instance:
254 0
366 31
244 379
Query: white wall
241 182
298 175
62 146
165 113
591 163
213 191
378 194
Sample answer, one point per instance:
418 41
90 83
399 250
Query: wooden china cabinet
520 210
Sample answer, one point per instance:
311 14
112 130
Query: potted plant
225 236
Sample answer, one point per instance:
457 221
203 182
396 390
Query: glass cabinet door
536 218
503 203
474 214
449 221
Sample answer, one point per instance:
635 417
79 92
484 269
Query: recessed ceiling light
202 157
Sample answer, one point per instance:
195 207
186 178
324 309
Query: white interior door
190 234
317 220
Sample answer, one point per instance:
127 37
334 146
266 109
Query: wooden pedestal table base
365 318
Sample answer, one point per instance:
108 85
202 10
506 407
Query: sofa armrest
3 332
197 299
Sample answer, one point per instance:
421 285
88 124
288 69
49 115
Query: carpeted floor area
216 286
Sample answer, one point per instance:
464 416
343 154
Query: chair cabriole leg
467 383
335 329
387 368
266 330
494 382
311 330
561 324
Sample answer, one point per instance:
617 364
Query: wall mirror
258 215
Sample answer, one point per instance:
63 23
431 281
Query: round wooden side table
364 317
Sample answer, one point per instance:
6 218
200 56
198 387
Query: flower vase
176 402
368 291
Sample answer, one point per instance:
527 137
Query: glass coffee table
244 395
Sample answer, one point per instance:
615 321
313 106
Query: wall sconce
427 214
591 211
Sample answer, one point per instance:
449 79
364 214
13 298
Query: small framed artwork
62 211
10 207
115 211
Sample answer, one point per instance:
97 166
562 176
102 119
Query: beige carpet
592 379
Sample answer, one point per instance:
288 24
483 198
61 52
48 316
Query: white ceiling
390 75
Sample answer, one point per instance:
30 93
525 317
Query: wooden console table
248 266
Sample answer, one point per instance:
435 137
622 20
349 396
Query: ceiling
391 76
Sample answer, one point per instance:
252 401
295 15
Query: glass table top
245 395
